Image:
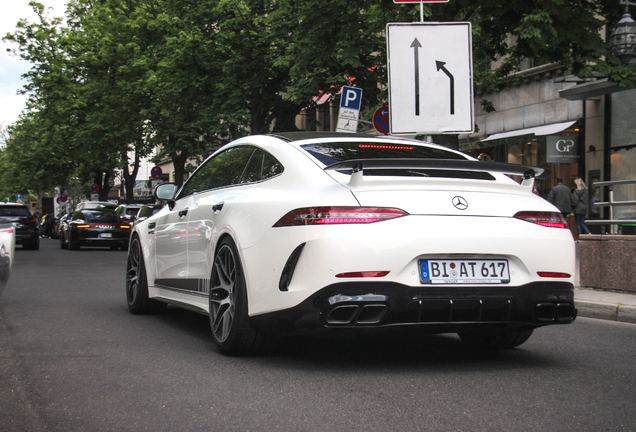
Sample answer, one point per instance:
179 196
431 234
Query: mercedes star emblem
460 203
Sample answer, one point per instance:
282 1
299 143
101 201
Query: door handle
183 212
217 207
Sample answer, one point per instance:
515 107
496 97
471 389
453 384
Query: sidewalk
605 305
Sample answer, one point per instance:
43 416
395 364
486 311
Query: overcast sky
12 67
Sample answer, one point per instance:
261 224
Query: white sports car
279 234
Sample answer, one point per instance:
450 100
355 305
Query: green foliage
125 77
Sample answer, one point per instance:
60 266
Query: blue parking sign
351 98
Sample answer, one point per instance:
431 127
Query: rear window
330 153
97 216
14 211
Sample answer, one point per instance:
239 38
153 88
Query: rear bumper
435 310
27 238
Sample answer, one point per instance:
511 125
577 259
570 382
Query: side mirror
166 192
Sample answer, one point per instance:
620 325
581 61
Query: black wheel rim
132 271
223 293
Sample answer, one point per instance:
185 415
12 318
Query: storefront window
624 168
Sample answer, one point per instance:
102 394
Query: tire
232 329
495 339
63 244
72 245
137 284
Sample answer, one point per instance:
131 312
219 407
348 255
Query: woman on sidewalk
580 203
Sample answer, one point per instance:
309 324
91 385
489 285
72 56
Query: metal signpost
430 77
349 113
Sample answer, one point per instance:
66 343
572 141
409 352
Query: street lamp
622 41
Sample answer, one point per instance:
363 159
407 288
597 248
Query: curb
606 311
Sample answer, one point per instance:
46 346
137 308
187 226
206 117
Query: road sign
18 196
381 120
350 102
63 198
156 173
430 78
94 188
420 1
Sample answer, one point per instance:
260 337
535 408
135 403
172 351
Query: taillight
554 275
31 221
546 219
83 226
338 215
124 226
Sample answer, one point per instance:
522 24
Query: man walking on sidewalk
561 196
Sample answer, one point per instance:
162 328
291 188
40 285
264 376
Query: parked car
95 227
146 211
62 225
7 251
295 232
127 212
26 225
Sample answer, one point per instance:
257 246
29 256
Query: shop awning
538 130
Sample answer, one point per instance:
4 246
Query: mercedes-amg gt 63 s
280 234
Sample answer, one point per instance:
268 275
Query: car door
171 246
223 174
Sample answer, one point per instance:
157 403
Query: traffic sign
430 78
350 102
381 120
18 196
94 188
156 173
63 198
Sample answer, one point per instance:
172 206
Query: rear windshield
330 153
132 211
14 211
97 216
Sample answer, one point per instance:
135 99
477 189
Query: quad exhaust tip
357 314
550 312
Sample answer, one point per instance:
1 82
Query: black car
27 227
95 227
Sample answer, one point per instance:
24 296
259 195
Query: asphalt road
72 358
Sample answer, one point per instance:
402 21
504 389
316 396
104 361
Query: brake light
124 226
31 221
546 219
83 226
338 215
390 147
366 274
554 275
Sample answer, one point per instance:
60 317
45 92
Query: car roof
12 204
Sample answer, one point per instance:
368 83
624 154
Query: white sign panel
430 78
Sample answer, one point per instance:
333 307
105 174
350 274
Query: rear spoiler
528 172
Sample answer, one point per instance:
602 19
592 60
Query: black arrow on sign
416 45
440 65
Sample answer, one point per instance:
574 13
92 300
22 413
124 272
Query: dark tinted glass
330 153
261 167
97 216
14 211
225 169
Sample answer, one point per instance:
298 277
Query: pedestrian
561 196
38 216
581 202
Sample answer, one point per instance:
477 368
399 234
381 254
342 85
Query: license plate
464 271
105 235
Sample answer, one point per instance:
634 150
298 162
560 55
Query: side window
225 169
261 167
